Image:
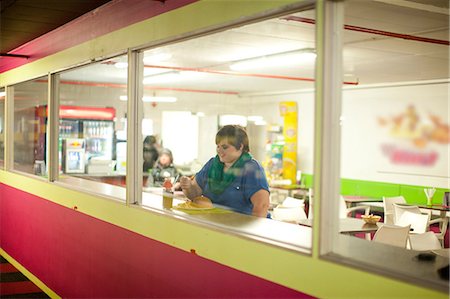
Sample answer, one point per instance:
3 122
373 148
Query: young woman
232 178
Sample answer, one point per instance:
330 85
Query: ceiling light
152 99
278 59
2 94
157 58
162 78
121 65
254 118
260 123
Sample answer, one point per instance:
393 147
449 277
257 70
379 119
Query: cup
167 200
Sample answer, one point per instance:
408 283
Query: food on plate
200 202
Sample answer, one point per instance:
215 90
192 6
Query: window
2 126
260 76
30 153
394 101
93 124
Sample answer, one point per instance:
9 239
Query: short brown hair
234 135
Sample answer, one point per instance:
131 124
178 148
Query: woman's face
164 160
228 154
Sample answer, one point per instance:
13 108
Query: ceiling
24 20
370 55
385 41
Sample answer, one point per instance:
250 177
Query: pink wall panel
79 256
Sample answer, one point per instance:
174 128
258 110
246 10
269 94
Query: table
352 200
349 225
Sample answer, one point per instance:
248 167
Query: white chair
417 222
420 223
392 235
344 211
289 214
389 208
425 241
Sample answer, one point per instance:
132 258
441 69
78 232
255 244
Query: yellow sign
289 111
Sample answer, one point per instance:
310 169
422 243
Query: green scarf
219 180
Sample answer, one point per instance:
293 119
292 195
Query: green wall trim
412 193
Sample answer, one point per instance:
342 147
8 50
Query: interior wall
368 117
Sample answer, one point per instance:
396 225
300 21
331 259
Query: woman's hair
234 135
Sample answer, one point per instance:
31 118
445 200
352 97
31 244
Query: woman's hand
190 187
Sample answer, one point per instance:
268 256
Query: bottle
167 194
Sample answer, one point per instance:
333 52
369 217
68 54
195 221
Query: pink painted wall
79 256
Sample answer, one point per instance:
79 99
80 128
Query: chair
392 235
389 208
417 222
344 211
289 214
310 203
425 241
420 223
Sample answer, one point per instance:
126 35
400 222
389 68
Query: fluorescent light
162 78
2 94
260 123
121 65
152 99
254 118
278 59
200 114
157 58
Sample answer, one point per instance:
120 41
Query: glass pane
395 121
92 127
258 76
2 126
30 152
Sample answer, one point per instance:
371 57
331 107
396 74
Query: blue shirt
237 195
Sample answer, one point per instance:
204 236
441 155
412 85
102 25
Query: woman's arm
190 187
260 201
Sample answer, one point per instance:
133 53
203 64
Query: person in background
164 168
151 153
232 178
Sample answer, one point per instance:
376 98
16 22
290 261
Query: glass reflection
2 126
30 151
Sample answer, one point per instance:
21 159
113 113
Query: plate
191 207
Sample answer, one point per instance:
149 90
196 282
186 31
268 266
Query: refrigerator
93 126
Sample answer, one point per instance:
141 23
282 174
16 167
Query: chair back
310 198
392 235
343 212
293 202
289 214
425 241
399 209
388 206
417 222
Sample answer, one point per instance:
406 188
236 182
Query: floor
13 284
